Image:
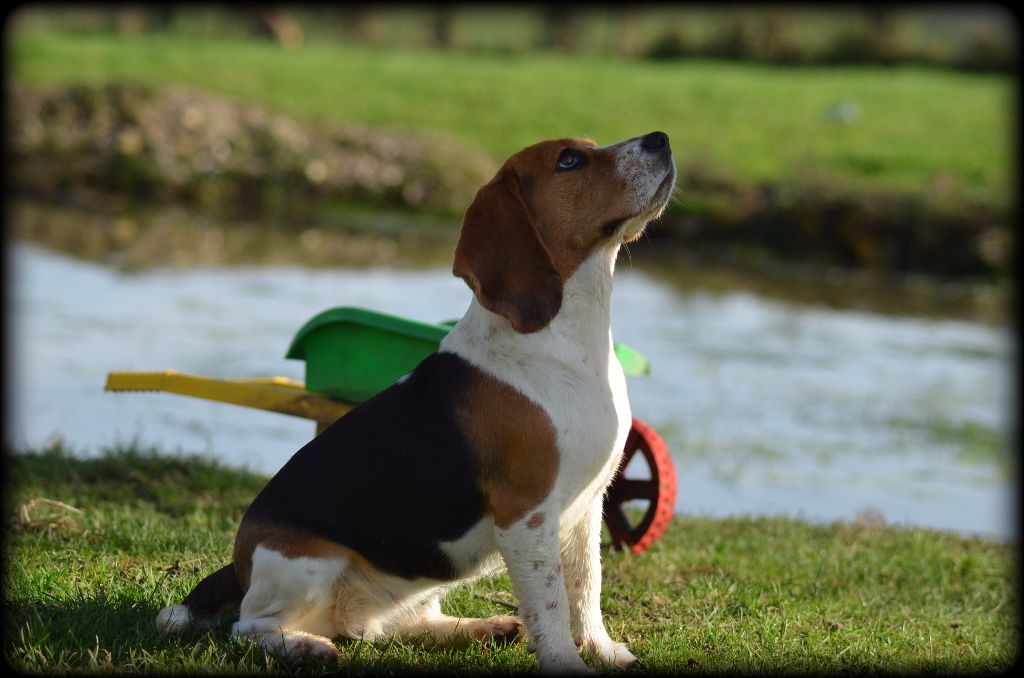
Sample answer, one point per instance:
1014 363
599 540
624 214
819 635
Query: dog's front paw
570 663
607 651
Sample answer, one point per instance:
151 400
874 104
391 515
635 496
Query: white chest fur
569 368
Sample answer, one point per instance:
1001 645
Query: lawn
913 130
93 548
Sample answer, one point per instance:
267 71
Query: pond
769 407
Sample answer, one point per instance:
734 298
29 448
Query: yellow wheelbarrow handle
276 394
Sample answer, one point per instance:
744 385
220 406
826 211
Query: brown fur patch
502 257
530 228
569 208
515 443
535 521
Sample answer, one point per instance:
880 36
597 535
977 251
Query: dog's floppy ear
502 258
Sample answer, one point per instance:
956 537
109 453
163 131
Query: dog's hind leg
445 628
289 607
270 635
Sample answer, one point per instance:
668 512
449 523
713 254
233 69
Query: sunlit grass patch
917 126
713 595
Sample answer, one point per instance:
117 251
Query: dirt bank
128 146
116 149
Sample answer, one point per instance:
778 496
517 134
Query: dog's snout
655 141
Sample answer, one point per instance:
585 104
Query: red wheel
658 490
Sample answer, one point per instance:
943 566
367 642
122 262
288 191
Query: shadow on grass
172 484
81 632
104 632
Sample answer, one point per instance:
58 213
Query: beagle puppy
493 453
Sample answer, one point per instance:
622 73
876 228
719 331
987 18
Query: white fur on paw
569 664
610 653
173 619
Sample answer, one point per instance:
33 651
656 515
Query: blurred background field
827 293
977 37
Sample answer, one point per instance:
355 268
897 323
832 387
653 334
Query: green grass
82 588
921 130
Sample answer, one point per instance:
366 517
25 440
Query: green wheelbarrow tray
352 354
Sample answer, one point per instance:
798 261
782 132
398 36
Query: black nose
655 141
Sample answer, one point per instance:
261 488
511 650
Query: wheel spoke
624 489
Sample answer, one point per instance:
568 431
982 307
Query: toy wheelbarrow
352 354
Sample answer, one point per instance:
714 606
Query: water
769 407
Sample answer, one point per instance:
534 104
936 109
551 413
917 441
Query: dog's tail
214 594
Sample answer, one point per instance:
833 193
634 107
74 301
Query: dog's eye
570 159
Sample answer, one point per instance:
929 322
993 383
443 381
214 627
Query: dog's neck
585 316
579 336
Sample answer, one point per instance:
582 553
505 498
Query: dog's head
549 207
